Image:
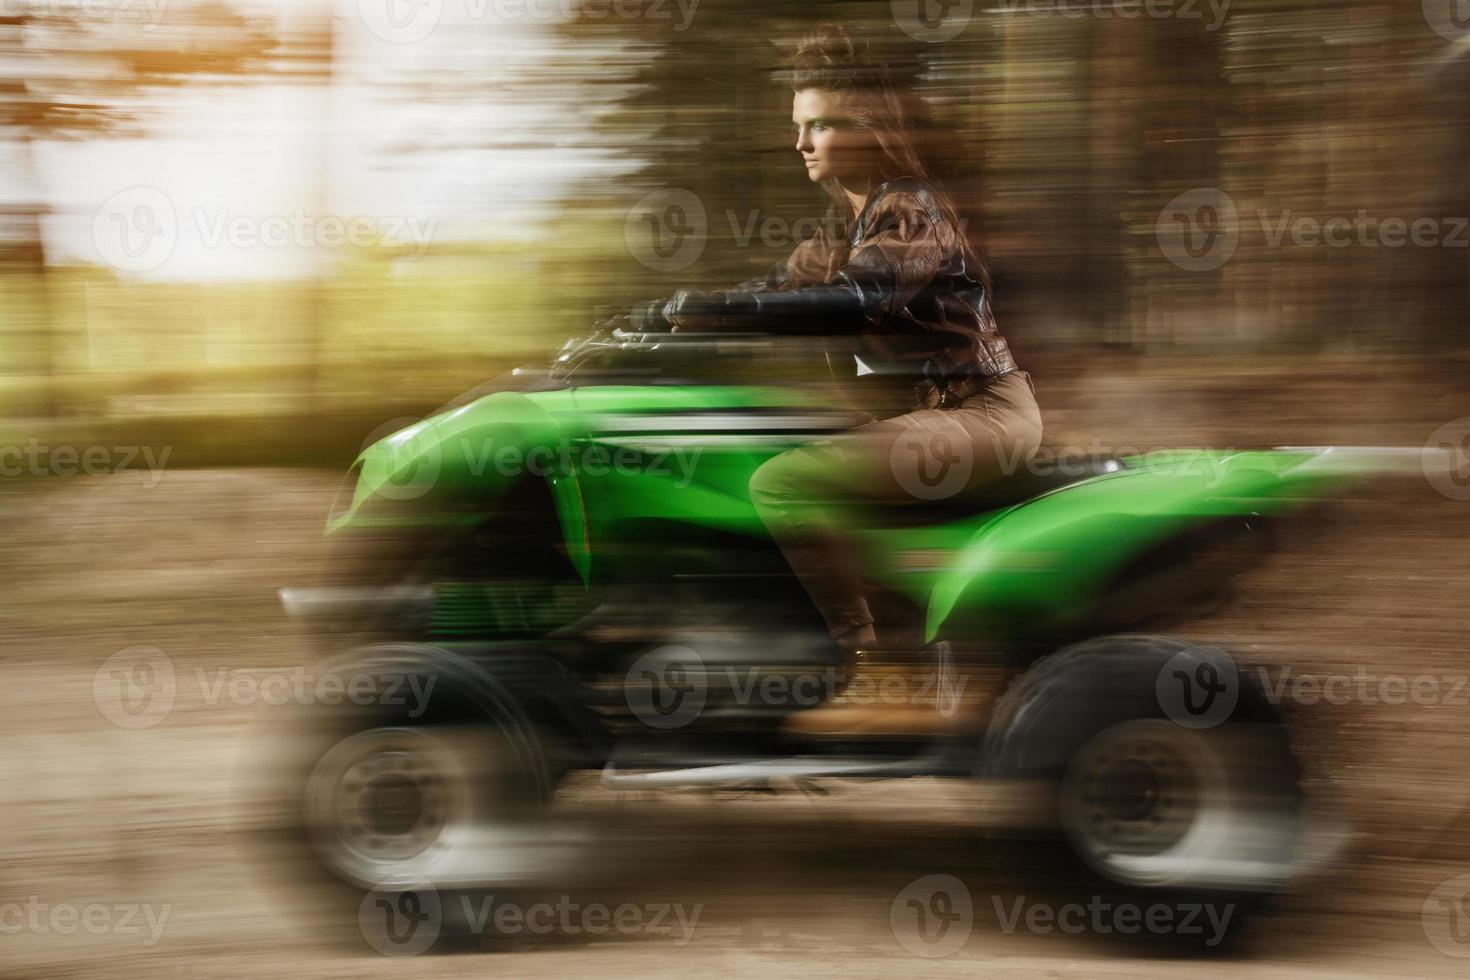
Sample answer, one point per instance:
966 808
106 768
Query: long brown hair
877 92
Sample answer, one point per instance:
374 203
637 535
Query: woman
904 279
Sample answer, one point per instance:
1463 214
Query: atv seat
1032 481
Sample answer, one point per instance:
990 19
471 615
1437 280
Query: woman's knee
774 481
796 475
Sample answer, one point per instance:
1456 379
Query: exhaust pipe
342 602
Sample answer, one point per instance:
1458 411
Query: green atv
568 564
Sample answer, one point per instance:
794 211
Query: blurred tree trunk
1182 152
33 340
1118 59
319 307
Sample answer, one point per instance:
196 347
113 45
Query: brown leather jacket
898 279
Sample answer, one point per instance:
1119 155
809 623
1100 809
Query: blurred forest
1076 128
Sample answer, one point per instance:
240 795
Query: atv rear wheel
1148 804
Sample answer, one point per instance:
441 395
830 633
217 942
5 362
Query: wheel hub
392 801
392 806
384 799
1133 794
1129 791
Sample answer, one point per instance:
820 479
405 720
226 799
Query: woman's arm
903 254
807 263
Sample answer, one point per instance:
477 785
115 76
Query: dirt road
126 853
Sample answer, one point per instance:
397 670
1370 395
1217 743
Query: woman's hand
686 310
694 309
689 308
649 317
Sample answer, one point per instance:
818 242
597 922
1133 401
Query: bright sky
236 183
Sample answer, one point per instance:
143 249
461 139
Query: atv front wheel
433 803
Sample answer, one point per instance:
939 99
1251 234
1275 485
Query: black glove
693 309
649 317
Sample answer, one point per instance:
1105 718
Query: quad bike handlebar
646 317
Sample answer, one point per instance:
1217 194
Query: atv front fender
452 468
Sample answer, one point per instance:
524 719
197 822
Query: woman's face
828 141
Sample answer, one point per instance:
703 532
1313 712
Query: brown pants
912 459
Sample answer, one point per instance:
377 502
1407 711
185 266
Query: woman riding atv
903 278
